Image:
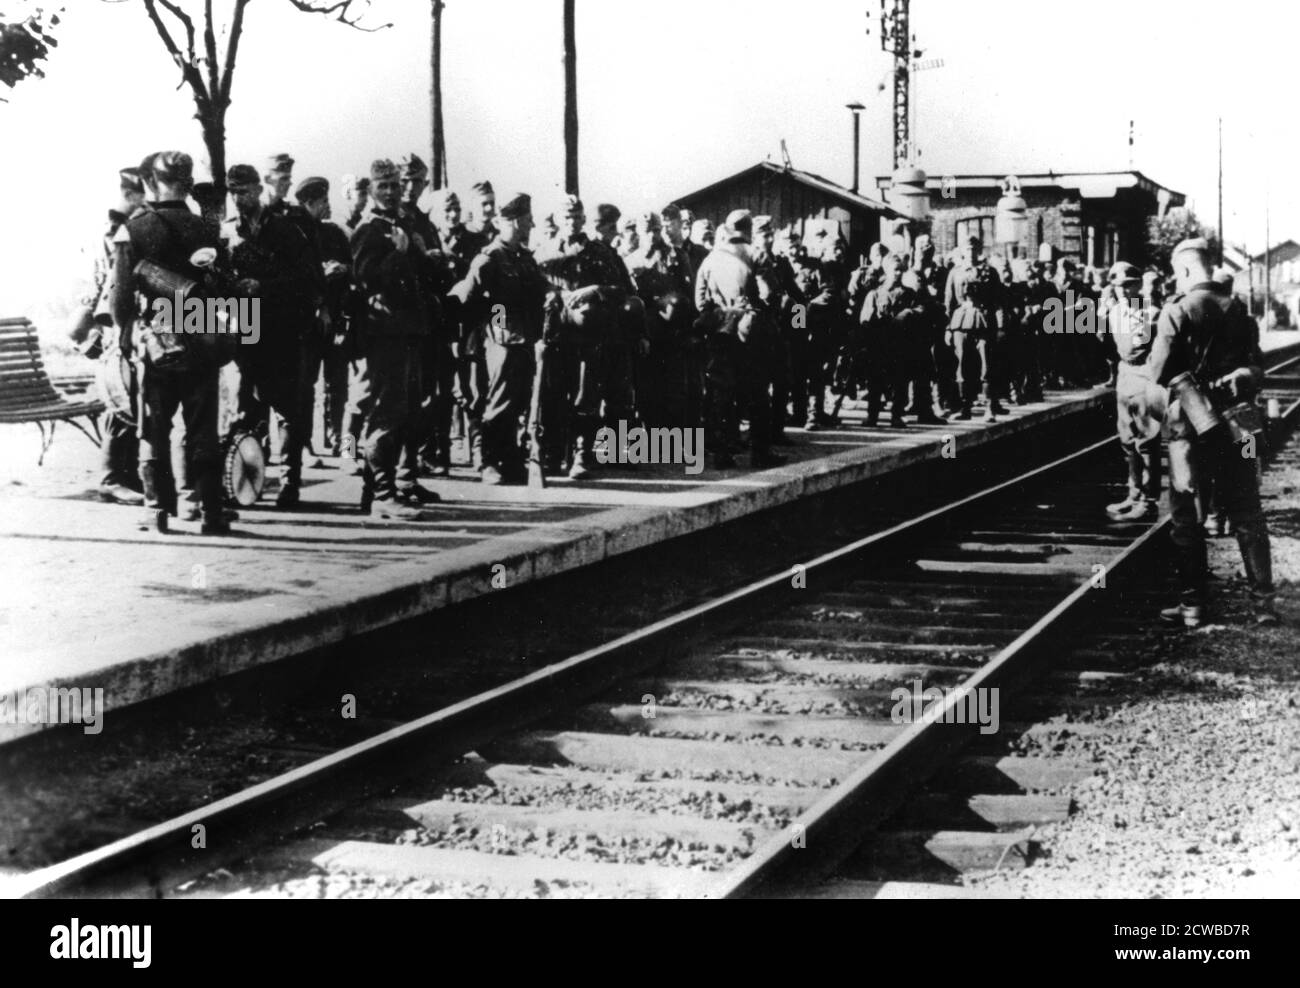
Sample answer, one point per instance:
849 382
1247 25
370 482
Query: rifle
536 428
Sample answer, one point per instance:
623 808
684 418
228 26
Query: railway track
745 746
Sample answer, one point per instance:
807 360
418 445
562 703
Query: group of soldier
531 341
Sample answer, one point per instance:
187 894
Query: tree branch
340 10
189 74
210 47
232 48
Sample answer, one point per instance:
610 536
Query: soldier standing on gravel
1210 336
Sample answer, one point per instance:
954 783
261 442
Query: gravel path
1198 786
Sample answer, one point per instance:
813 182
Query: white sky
672 95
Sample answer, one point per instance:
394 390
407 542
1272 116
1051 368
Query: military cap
279 164
650 220
1223 276
740 222
1124 272
974 241
382 168
445 198
572 206
628 223
130 180
412 166
171 167
312 188
672 209
238 176
516 206
482 189
607 212
1198 244
762 224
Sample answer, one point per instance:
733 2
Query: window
975 226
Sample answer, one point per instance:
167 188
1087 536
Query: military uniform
279 372
1211 336
812 353
503 298
739 338
974 305
167 234
397 325
891 318
1140 402
670 376
780 292
590 362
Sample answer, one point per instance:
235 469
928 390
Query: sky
672 96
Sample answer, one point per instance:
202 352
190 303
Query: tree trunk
439 144
214 139
570 102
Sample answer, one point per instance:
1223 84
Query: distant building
798 201
1096 218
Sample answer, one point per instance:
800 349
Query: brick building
796 200
1095 217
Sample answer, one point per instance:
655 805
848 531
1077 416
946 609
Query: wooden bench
28 395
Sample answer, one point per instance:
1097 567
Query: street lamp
857 109
909 194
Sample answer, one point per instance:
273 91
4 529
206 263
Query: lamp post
857 109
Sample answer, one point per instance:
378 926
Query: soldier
740 337
891 316
785 302
166 233
271 259
661 276
483 217
607 225
1140 402
973 304
357 193
504 297
99 337
934 370
313 194
427 443
629 238
814 353
594 361
391 272
1210 337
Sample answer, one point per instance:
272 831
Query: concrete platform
90 602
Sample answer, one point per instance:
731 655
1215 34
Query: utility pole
570 101
440 178
1222 242
857 109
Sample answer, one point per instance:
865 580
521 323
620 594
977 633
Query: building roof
1091 185
851 200
1287 250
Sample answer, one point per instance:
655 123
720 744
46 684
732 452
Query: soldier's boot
215 517
1257 558
1124 506
290 491
155 515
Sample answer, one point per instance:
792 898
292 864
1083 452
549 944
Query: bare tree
570 101
210 72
